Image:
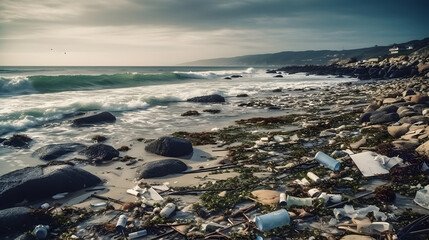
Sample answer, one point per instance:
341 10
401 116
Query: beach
264 136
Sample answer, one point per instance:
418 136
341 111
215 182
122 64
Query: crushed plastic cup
327 161
296 201
41 231
422 197
282 201
272 220
121 223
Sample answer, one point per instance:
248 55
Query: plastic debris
167 210
60 195
282 201
327 161
41 231
371 163
332 198
349 211
313 177
302 182
272 220
422 197
45 206
296 201
99 204
121 223
137 234
314 192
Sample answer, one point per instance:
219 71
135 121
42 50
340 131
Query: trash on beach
332 198
45 206
60 195
41 231
371 163
327 161
121 223
302 182
349 211
99 204
313 177
314 192
163 187
282 201
167 210
272 220
137 234
296 201
365 226
151 193
422 197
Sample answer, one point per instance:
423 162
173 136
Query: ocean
147 102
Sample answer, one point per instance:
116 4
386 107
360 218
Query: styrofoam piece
422 197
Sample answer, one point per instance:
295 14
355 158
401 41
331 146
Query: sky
170 32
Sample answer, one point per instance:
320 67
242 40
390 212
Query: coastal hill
314 57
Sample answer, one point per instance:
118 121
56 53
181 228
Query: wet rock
18 141
406 112
365 117
33 183
54 151
398 131
227 78
100 152
420 99
414 119
215 98
278 76
243 95
93 119
383 117
170 147
212 111
190 113
271 71
236 76
277 90
20 219
408 92
423 149
405 145
161 168
388 109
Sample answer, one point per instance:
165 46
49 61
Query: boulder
398 131
94 118
18 141
161 168
383 117
423 149
100 152
215 98
190 113
54 151
21 219
388 109
33 183
170 147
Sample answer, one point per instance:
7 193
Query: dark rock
271 71
2 140
54 151
18 141
92 119
365 117
379 117
278 76
236 76
212 111
162 168
388 108
242 95
215 98
274 108
99 138
277 90
21 219
100 152
228 78
33 183
408 92
190 113
170 147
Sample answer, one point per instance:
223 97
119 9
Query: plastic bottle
121 223
282 201
313 177
296 201
272 220
137 234
327 161
167 210
41 231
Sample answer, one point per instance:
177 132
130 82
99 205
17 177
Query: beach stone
358 144
242 95
161 168
405 145
371 108
388 109
212 111
21 219
170 147
100 152
33 183
365 117
269 197
383 117
54 151
414 119
94 118
18 141
423 149
419 98
398 131
408 92
215 98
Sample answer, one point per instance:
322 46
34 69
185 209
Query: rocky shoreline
263 157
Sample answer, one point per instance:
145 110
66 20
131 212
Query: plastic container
314 192
121 223
137 234
332 198
313 177
167 210
282 201
272 220
422 197
327 161
41 231
296 201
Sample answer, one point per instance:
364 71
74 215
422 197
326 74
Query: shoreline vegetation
212 184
